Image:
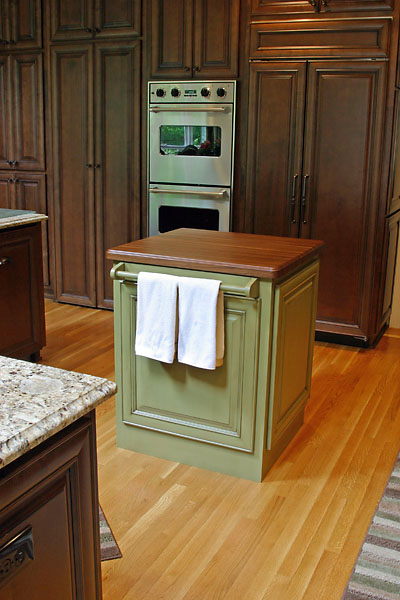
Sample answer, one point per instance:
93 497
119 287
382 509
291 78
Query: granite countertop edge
17 220
54 422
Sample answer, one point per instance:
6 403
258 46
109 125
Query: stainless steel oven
190 154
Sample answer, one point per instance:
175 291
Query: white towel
198 331
156 316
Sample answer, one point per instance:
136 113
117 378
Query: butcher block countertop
38 401
263 256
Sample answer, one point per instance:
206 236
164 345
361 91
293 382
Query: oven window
190 140
174 217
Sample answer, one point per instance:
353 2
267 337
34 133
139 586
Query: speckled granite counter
38 401
15 218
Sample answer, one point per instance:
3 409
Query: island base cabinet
238 418
49 531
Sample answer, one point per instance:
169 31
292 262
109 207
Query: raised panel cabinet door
394 182
216 38
392 229
275 143
72 20
117 154
341 174
114 18
21 301
354 5
26 24
7 197
171 38
6 148
276 7
30 194
28 115
72 125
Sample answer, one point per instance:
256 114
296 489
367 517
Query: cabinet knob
89 30
10 180
97 166
5 260
9 162
16 180
89 165
196 68
14 163
187 68
97 30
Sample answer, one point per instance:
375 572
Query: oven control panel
178 92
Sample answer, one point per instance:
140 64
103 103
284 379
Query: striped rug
376 575
108 546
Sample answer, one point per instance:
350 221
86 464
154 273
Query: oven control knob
221 92
160 93
175 92
205 92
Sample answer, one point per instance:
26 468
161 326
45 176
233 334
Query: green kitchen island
238 418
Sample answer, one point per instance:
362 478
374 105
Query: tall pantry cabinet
94 54
321 92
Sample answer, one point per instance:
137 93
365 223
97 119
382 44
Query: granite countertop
37 401
13 218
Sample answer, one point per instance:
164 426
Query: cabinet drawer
216 407
321 38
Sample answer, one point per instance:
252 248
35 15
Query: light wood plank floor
190 534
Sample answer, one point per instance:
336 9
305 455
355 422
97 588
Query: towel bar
249 290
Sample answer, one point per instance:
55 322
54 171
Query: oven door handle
180 109
220 194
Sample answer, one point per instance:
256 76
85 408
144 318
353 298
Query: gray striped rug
109 548
376 575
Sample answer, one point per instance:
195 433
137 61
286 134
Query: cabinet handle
89 165
196 68
293 199
16 180
89 30
304 199
314 5
14 163
97 30
10 180
187 68
10 162
5 260
97 166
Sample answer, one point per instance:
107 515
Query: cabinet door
171 38
7 198
117 150
26 24
341 174
30 194
275 140
216 38
392 228
28 120
72 20
115 18
21 301
276 7
72 125
354 5
6 150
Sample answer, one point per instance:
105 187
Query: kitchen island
49 530
22 323
238 418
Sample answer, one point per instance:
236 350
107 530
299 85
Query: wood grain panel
355 5
276 7
72 123
321 38
26 19
117 92
71 20
216 38
171 45
117 17
275 145
6 191
342 154
27 73
6 150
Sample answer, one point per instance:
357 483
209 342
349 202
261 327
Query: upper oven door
191 144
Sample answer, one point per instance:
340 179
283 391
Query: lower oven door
172 207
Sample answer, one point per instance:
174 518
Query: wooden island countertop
248 254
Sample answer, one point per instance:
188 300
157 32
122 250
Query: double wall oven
190 155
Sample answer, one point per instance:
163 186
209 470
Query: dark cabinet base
49 530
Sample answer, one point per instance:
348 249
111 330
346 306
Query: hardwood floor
186 533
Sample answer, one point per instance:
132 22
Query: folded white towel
198 332
156 316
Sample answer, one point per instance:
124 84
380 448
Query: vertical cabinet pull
293 199
304 199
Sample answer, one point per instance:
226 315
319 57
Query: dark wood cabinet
203 45
87 19
22 331
96 162
21 24
49 508
319 177
27 191
21 112
278 7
